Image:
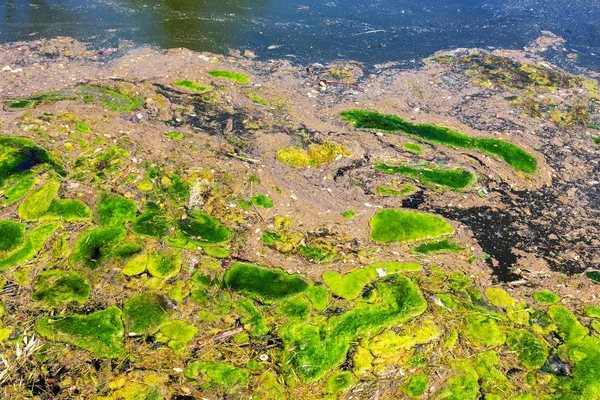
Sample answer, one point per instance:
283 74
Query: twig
312 74
326 82
218 337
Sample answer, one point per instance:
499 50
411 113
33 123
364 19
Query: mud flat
182 225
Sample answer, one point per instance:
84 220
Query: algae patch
315 155
451 178
232 76
391 225
58 286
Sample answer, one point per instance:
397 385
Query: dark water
370 31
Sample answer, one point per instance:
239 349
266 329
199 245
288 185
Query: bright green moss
144 313
39 201
546 297
569 326
33 243
532 351
136 265
388 344
519 313
58 286
349 214
438 246
415 148
493 383
269 388
177 334
222 375
18 156
93 248
316 254
164 265
451 178
260 200
592 311
463 385
319 297
386 191
253 316
350 285
415 385
127 249
295 307
257 99
174 135
151 224
193 86
12 234
315 155
499 298
390 225
262 282
233 76
511 154
16 191
69 210
244 204
100 333
81 127
114 209
315 350
339 382
202 227
484 330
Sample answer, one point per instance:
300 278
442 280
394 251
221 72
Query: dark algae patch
94 248
511 154
114 209
56 287
12 235
100 333
202 227
262 282
18 156
451 178
144 313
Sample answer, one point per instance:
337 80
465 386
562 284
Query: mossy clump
193 86
260 200
144 313
68 210
152 224
531 350
15 191
450 178
316 254
219 374
391 225
33 243
349 214
297 307
93 248
114 209
438 246
232 76
350 285
499 298
596 140
339 382
415 385
413 147
484 330
56 287
100 333
177 334
403 191
261 282
136 265
39 201
174 135
12 235
18 156
315 155
202 227
319 297
514 156
165 265
252 316
546 297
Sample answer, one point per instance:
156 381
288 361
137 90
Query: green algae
349 286
592 311
164 265
596 140
94 247
297 307
114 209
174 135
546 297
261 282
100 333
339 383
33 243
463 385
18 156
484 330
222 375
403 191
391 225
39 201
438 246
319 297
17 190
316 254
593 275
177 334
68 210
532 351
415 148
136 265
144 313
493 383
415 386
260 200
81 127
313 350
151 224
349 214
451 178
499 298
201 227
389 343
12 235
252 316
56 287
315 155
193 86
232 76
269 388
257 99
511 154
